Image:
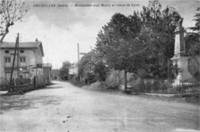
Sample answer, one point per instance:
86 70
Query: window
7 59
6 51
22 59
21 51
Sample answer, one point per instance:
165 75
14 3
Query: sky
60 25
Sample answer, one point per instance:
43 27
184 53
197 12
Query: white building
30 56
73 70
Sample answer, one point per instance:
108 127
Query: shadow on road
21 102
49 86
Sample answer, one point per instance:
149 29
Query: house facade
56 74
27 64
47 72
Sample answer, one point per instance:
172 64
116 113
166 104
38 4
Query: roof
23 45
47 65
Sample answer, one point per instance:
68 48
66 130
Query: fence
37 79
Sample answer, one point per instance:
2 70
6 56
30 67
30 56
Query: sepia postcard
99 65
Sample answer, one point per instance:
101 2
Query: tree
64 71
11 11
192 39
118 45
197 19
158 33
143 41
100 71
86 67
92 67
192 42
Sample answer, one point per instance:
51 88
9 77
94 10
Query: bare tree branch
11 11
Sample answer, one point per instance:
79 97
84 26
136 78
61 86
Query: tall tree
64 70
11 11
87 66
192 38
158 33
143 40
192 41
118 44
197 19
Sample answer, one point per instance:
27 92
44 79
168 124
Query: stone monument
180 59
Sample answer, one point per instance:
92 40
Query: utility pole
13 63
78 52
78 57
18 56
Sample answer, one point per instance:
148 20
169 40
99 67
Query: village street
63 107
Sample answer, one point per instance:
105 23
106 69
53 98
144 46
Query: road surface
63 107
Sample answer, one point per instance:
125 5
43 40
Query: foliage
137 85
158 86
113 80
75 81
100 71
158 35
143 41
64 71
92 67
86 64
192 41
116 42
11 11
197 19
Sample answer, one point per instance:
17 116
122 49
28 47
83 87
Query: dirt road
63 107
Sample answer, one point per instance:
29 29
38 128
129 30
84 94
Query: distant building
73 70
47 71
55 74
29 63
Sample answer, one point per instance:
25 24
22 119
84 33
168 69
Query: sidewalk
160 95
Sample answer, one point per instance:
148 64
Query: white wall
33 57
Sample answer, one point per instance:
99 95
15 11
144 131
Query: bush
159 86
90 78
156 86
113 80
172 90
148 86
100 71
138 85
76 81
166 85
193 98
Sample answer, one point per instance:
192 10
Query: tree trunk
4 35
125 80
